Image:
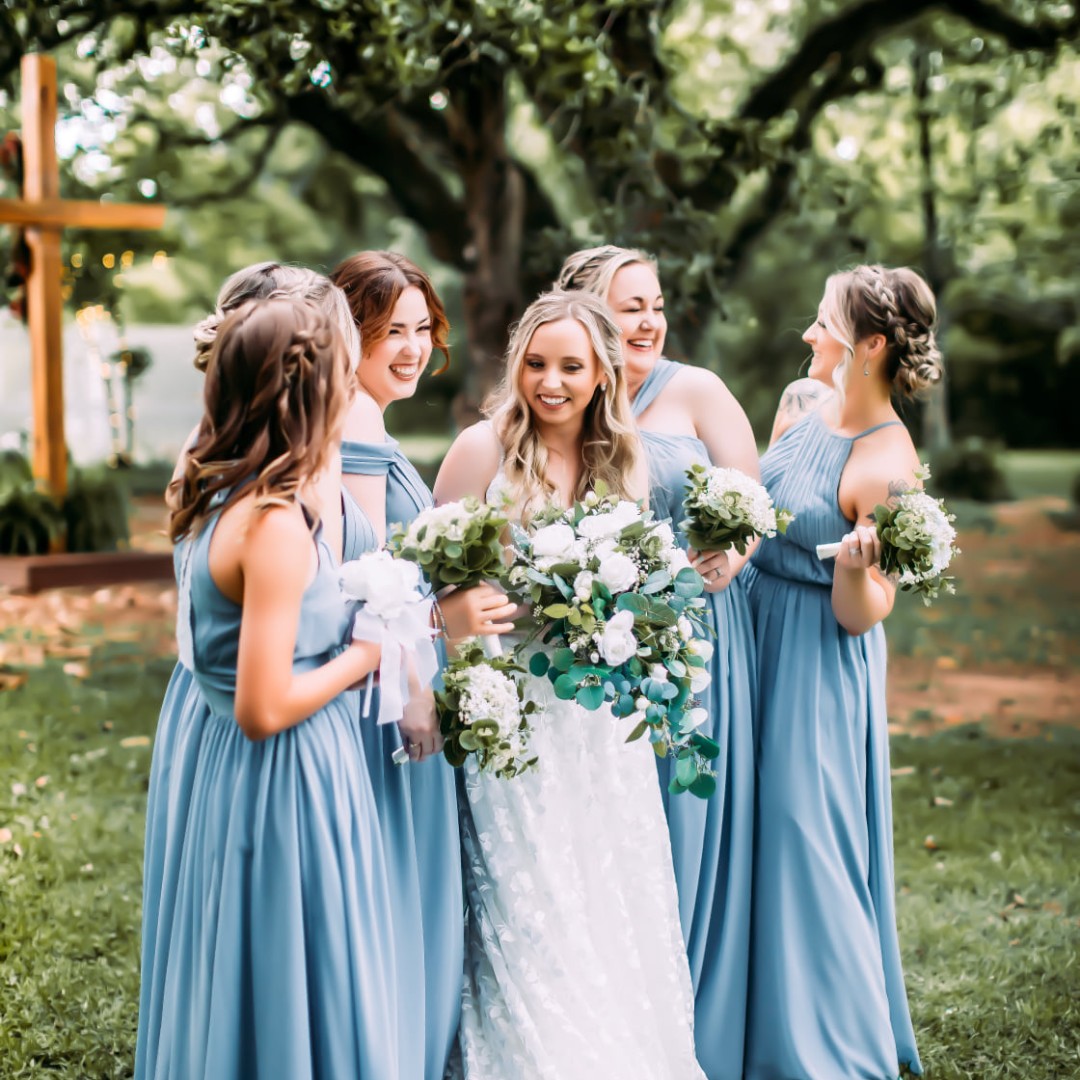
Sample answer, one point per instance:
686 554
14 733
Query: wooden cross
43 214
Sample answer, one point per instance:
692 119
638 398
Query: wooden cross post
43 214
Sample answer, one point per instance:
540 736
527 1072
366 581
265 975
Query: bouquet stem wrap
491 645
408 631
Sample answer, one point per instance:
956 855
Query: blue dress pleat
827 989
417 807
267 955
711 840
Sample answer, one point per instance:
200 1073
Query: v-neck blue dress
417 807
827 989
711 840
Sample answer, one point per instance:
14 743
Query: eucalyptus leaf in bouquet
726 508
620 612
483 712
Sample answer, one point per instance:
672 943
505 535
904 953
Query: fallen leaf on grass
1015 941
41 782
1053 907
5 836
930 844
940 800
135 740
947 663
904 770
12 680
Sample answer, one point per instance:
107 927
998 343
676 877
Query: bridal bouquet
726 508
918 541
619 605
395 613
456 544
482 712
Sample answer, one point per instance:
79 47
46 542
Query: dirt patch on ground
994 655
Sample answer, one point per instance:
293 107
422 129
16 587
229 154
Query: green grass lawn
989 909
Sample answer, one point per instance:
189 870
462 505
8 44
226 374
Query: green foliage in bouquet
457 544
622 634
482 712
726 508
917 541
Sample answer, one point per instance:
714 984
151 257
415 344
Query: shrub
969 470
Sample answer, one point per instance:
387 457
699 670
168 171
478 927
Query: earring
603 388
866 368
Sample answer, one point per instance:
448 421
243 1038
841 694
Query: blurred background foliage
753 145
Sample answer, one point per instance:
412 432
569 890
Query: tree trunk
494 197
935 416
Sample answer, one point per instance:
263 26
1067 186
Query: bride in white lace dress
575 964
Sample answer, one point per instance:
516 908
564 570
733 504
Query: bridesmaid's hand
860 549
483 609
713 566
419 726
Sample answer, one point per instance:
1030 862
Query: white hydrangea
449 521
731 487
490 695
927 519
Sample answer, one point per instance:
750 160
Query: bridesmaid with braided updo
827 994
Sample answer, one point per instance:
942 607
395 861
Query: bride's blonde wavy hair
610 449
276 392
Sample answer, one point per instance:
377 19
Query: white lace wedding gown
575 964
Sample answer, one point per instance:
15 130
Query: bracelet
438 619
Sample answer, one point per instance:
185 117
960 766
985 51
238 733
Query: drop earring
866 369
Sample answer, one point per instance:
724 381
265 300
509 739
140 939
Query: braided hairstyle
275 396
896 303
593 269
262 280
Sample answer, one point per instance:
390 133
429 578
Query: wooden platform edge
33 573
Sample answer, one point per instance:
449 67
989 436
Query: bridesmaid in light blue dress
688 417
184 711
827 988
275 960
402 320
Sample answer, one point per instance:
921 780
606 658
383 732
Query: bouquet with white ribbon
621 612
918 541
483 712
396 614
726 508
459 544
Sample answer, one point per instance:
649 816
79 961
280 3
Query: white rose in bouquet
599 526
617 642
553 542
618 573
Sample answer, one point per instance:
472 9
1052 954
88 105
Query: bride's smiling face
559 373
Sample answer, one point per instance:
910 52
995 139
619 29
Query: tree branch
381 143
854 27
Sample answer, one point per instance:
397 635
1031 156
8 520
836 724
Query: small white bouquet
726 508
483 712
918 541
459 544
396 614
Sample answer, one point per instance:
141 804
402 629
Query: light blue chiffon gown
827 989
711 840
274 959
417 807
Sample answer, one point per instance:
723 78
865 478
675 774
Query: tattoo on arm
897 488
800 397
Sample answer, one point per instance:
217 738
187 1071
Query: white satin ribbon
408 632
